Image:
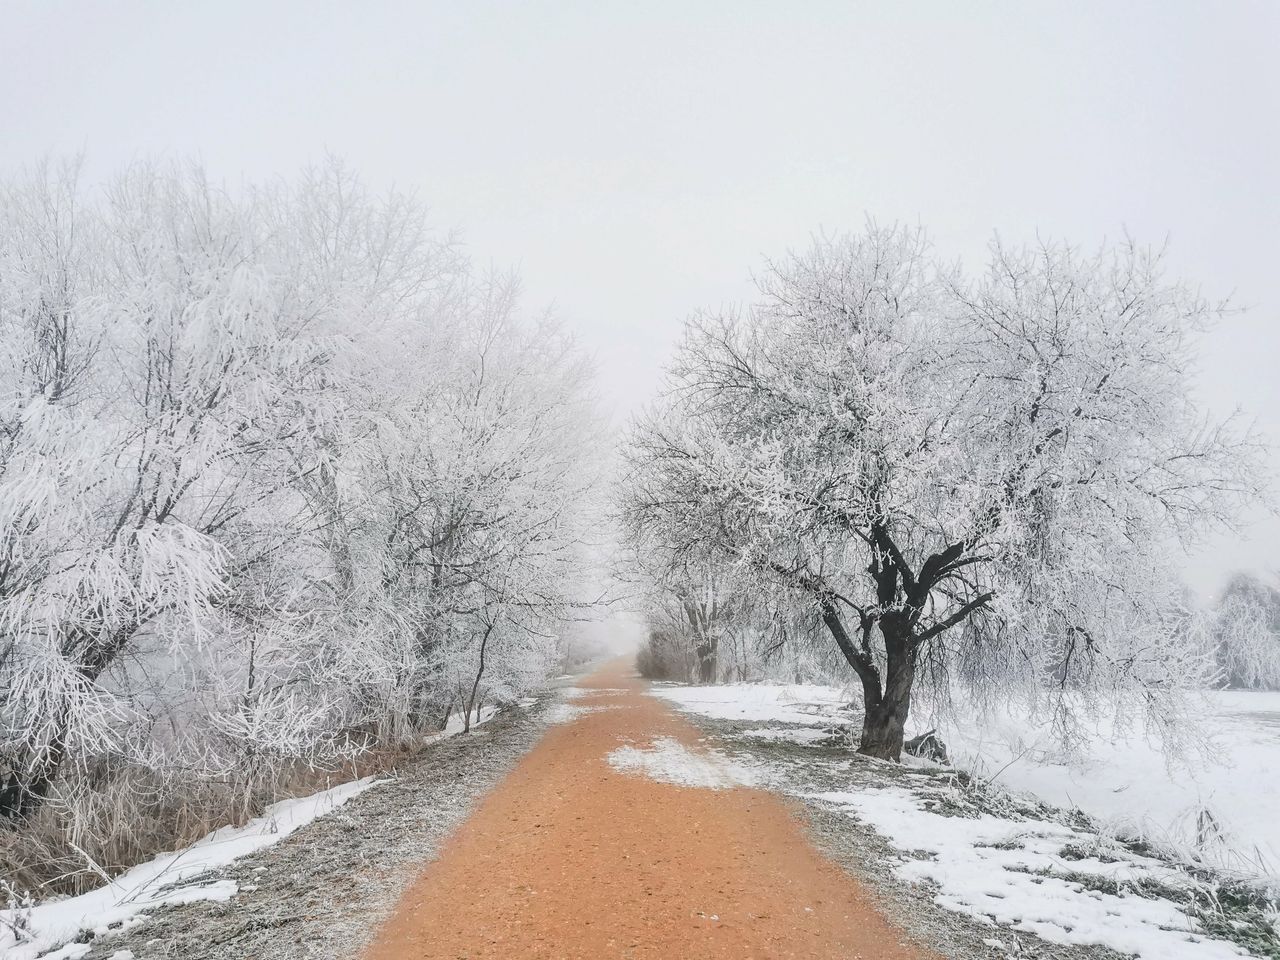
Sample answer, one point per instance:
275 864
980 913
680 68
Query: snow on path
669 761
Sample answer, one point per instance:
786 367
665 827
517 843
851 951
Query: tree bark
24 790
708 660
471 701
885 704
884 721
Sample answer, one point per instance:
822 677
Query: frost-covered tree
1246 634
175 382
704 624
281 476
983 480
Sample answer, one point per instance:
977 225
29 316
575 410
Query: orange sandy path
568 858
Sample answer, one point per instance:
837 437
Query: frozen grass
800 735
169 878
114 816
669 761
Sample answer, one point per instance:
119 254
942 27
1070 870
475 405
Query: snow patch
808 704
669 761
574 693
1012 872
800 735
1125 782
569 712
170 878
457 724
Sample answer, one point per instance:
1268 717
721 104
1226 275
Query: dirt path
570 858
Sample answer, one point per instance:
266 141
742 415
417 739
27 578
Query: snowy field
1008 860
1129 785
800 703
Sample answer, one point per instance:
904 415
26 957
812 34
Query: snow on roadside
1128 784
456 724
1125 783
1013 872
170 878
669 761
800 735
1016 863
799 703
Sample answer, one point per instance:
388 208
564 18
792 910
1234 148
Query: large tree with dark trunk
982 478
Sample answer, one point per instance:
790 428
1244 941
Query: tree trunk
448 712
24 791
708 660
883 730
471 701
884 718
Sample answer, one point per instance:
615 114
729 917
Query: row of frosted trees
283 478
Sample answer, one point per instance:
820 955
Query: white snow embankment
1013 872
170 878
456 724
1127 782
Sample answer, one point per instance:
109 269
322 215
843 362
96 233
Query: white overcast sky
636 160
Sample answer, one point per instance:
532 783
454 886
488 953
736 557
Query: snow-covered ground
456 724
1015 873
169 878
1027 868
810 704
669 761
1131 786
1128 784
